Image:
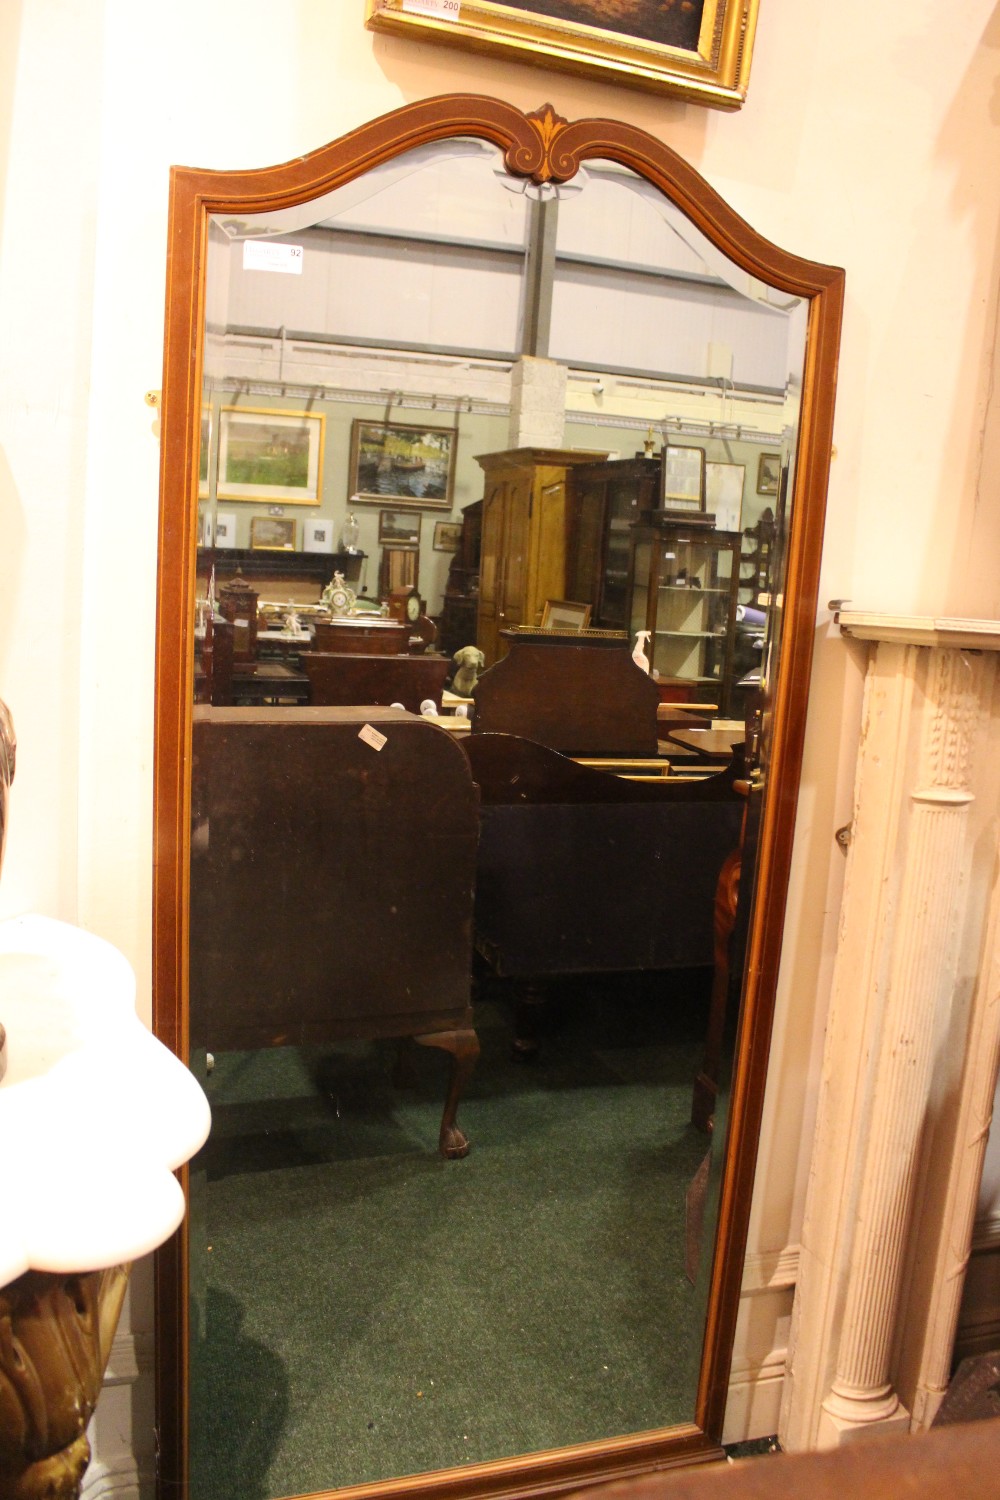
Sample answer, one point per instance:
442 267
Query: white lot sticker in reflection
371 737
268 255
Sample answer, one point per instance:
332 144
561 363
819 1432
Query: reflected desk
253 685
332 864
341 678
582 870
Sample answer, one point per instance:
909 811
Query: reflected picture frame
768 473
205 453
399 528
401 464
565 615
270 454
447 536
700 51
724 484
272 534
223 536
683 478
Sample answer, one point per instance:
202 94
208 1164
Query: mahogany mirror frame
544 148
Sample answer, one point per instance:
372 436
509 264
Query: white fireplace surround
912 1044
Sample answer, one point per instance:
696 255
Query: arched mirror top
540 146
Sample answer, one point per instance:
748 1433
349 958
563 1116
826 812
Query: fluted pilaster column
891 1034
920 966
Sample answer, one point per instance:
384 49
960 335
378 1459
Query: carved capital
955 691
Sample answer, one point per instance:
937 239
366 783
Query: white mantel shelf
946 631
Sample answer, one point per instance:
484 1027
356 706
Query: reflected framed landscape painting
400 462
269 454
699 50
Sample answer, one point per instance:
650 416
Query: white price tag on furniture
371 737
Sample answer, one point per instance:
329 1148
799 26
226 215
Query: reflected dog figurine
469 660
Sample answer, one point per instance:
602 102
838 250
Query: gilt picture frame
768 473
399 528
270 534
401 464
271 454
447 536
699 50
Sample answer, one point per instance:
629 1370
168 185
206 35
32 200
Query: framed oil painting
699 50
768 473
399 527
397 461
270 455
447 536
270 535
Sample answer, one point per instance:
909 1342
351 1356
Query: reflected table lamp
95 1116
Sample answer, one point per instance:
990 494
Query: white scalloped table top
95 1113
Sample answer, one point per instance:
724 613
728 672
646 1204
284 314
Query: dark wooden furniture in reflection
331 884
223 681
460 606
578 694
287 575
399 567
526 520
606 498
584 868
366 635
345 679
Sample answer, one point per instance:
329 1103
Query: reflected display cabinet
525 526
684 588
607 498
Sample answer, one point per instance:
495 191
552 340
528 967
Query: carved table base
55 1338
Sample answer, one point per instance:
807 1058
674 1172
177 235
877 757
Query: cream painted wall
869 140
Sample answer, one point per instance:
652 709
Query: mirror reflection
516 461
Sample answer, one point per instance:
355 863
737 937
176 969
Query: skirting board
757 1376
754 1403
117 1480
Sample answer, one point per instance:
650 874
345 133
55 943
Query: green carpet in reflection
363 1309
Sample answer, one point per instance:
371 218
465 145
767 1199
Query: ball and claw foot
453 1144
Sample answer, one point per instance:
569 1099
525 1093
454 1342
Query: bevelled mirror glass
473 381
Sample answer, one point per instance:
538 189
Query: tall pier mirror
362 346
